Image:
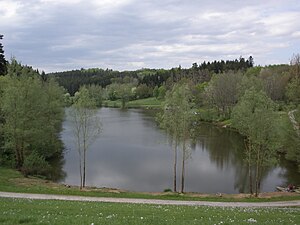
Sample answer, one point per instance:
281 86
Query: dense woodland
262 103
73 80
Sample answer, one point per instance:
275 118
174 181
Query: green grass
24 211
140 103
145 103
112 104
13 181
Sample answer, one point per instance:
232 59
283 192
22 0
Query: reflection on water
133 153
57 173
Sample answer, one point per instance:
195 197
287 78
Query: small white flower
142 218
251 220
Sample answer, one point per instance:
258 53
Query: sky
59 35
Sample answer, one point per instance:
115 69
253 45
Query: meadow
25 211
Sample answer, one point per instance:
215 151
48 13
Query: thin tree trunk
22 151
256 180
79 150
18 157
80 170
175 168
250 179
183 167
84 158
257 173
248 149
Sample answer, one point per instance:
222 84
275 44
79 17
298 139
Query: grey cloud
129 34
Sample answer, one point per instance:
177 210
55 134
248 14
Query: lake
133 153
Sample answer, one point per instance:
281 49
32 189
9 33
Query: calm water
132 153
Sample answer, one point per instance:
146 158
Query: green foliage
143 91
254 118
84 99
207 114
95 92
167 190
86 126
67 99
247 83
32 114
176 119
290 136
293 90
222 92
123 89
199 94
155 92
73 80
253 71
274 81
35 164
161 92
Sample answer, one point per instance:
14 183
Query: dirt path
149 201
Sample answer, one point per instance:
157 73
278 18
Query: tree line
73 80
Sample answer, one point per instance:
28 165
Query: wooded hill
72 80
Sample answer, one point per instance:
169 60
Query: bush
168 190
35 164
207 115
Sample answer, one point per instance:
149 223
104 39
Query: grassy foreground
24 211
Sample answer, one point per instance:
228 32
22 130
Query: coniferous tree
2 59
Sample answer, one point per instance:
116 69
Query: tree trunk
175 168
18 157
250 179
183 167
80 170
84 163
257 173
123 103
256 180
248 149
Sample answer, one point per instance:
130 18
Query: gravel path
149 201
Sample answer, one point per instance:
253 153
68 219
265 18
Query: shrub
35 164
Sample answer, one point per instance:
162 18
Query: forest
262 103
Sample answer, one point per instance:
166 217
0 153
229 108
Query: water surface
133 153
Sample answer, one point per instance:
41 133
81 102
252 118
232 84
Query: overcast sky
57 35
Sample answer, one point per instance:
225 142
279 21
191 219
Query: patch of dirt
32 181
277 194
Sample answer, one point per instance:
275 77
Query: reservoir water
133 153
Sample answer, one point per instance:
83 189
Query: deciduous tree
176 120
86 126
255 119
32 112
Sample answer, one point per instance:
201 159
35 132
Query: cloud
58 35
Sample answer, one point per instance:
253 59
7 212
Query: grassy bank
23 211
140 103
13 181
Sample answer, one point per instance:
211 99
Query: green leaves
254 116
32 114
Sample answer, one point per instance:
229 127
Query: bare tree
86 127
176 120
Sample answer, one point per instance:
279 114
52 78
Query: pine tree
2 59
